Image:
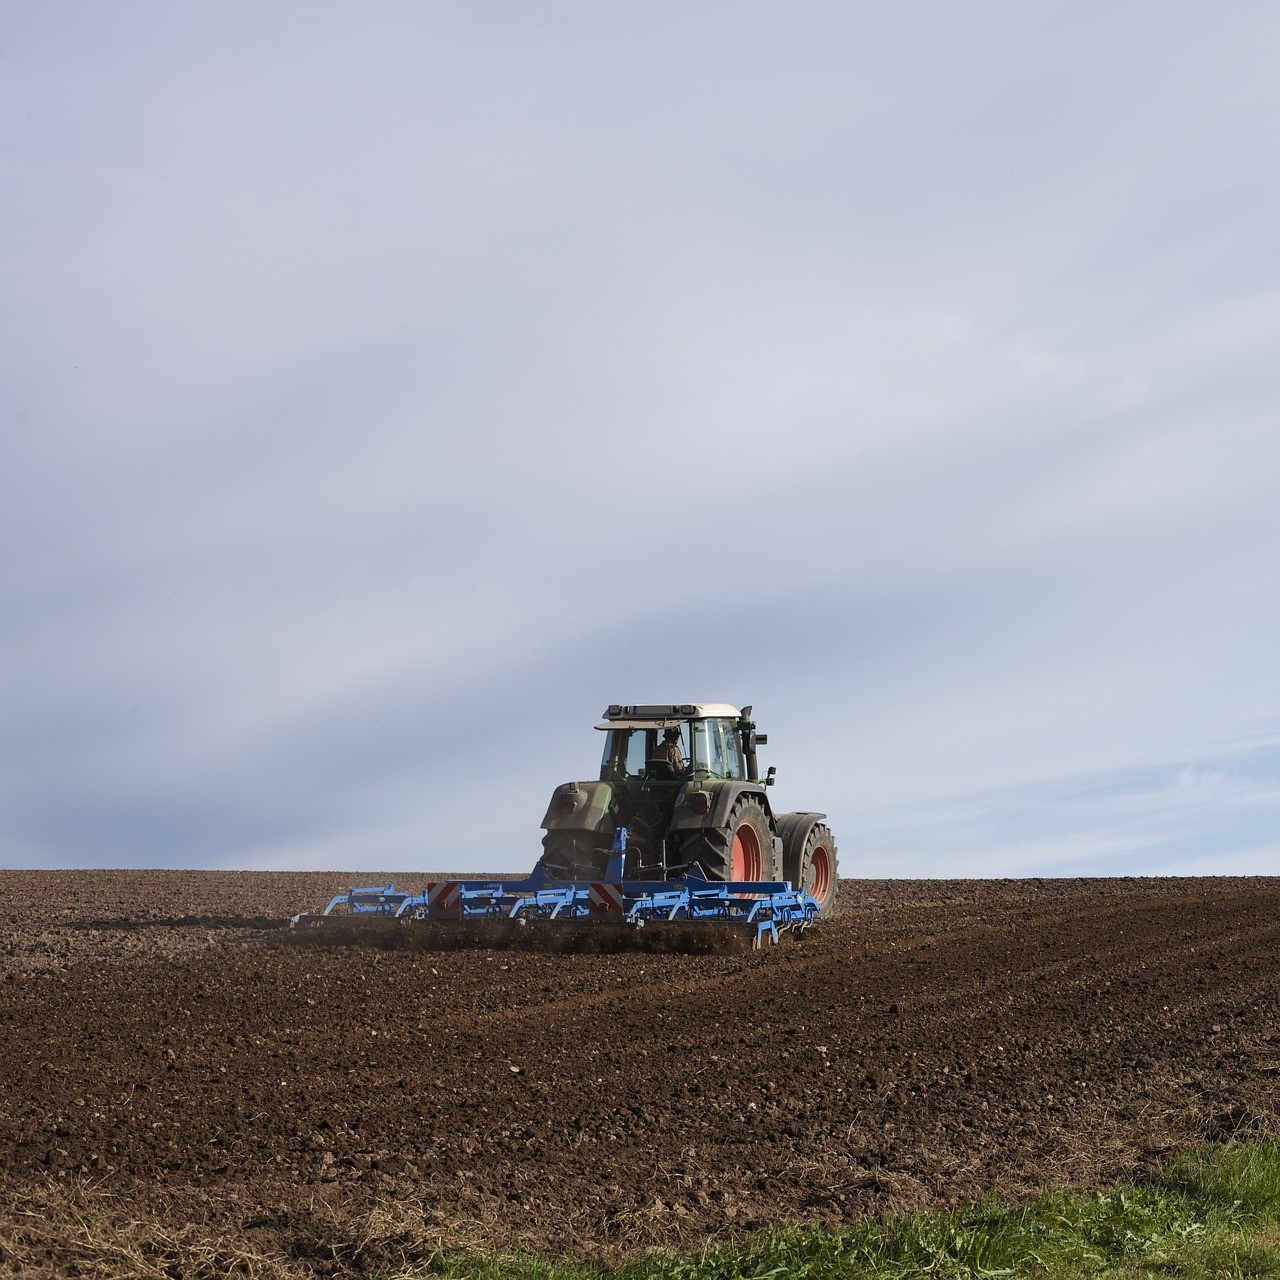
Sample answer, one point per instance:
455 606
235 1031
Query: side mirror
769 778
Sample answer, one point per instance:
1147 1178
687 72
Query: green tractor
682 778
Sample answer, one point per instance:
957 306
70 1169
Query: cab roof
661 715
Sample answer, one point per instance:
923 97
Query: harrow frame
764 909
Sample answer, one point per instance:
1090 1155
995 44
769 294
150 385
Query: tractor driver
669 749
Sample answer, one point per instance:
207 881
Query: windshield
707 747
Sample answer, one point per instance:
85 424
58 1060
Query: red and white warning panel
444 900
605 900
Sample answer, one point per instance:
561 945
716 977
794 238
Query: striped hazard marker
444 900
605 901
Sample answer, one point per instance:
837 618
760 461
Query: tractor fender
722 795
794 829
580 806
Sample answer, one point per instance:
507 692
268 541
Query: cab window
702 753
730 750
716 748
626 751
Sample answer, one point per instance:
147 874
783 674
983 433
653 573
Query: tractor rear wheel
740 850
816 872
573 855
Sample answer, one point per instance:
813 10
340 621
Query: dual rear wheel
809 858
573 855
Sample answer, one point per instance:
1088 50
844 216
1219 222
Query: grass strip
1214 1212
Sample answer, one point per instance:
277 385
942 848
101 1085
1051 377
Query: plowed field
161 1040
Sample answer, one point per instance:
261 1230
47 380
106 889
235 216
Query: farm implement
675 846
689 913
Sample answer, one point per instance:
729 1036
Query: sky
387 388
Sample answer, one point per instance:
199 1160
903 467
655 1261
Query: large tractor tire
740 850
809 859
573 855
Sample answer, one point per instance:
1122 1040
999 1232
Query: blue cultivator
366 902
760 910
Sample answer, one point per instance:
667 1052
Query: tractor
680 787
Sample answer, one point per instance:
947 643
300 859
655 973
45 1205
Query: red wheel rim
819 876
744 859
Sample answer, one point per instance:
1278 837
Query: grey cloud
384 396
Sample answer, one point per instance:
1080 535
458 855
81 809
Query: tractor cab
672 748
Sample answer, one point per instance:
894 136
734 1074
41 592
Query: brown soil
163 1048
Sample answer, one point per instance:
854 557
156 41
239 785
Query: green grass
1215 1212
